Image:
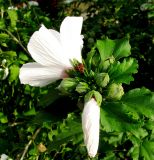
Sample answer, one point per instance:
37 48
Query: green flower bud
67 85
115 91
82 87
107 63
102 79
111 60
93 94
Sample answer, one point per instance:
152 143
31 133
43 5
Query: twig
29 143
37 158
16 40
15 124
2 13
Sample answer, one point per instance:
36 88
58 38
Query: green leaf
90 55
149 125
141 149
105 48
13 17
3 37
116 117
147 150
118 48
23 56
140 133
49 98
70 130
2 24
33 151
151 14
134 152
127 114
122 72
14 72
122 48
3 118
113 138
11 54
110 156
30 112
147 6
140 101
42 117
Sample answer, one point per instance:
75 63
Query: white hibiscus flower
52 52
90 126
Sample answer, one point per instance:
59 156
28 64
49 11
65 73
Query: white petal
6 72
45 48
90 126
35 74
4 157
33 3
70 34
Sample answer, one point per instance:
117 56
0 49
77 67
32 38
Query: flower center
80 68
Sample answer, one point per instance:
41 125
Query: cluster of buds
92 102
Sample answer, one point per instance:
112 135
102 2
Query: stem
16 40
2 13
55 155
33 9
15 124
29 143
37 158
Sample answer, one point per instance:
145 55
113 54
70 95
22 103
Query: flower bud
3 62
4 157
41 147
102 79
115 91
107 63
93 94
90 126
82 87
67 85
